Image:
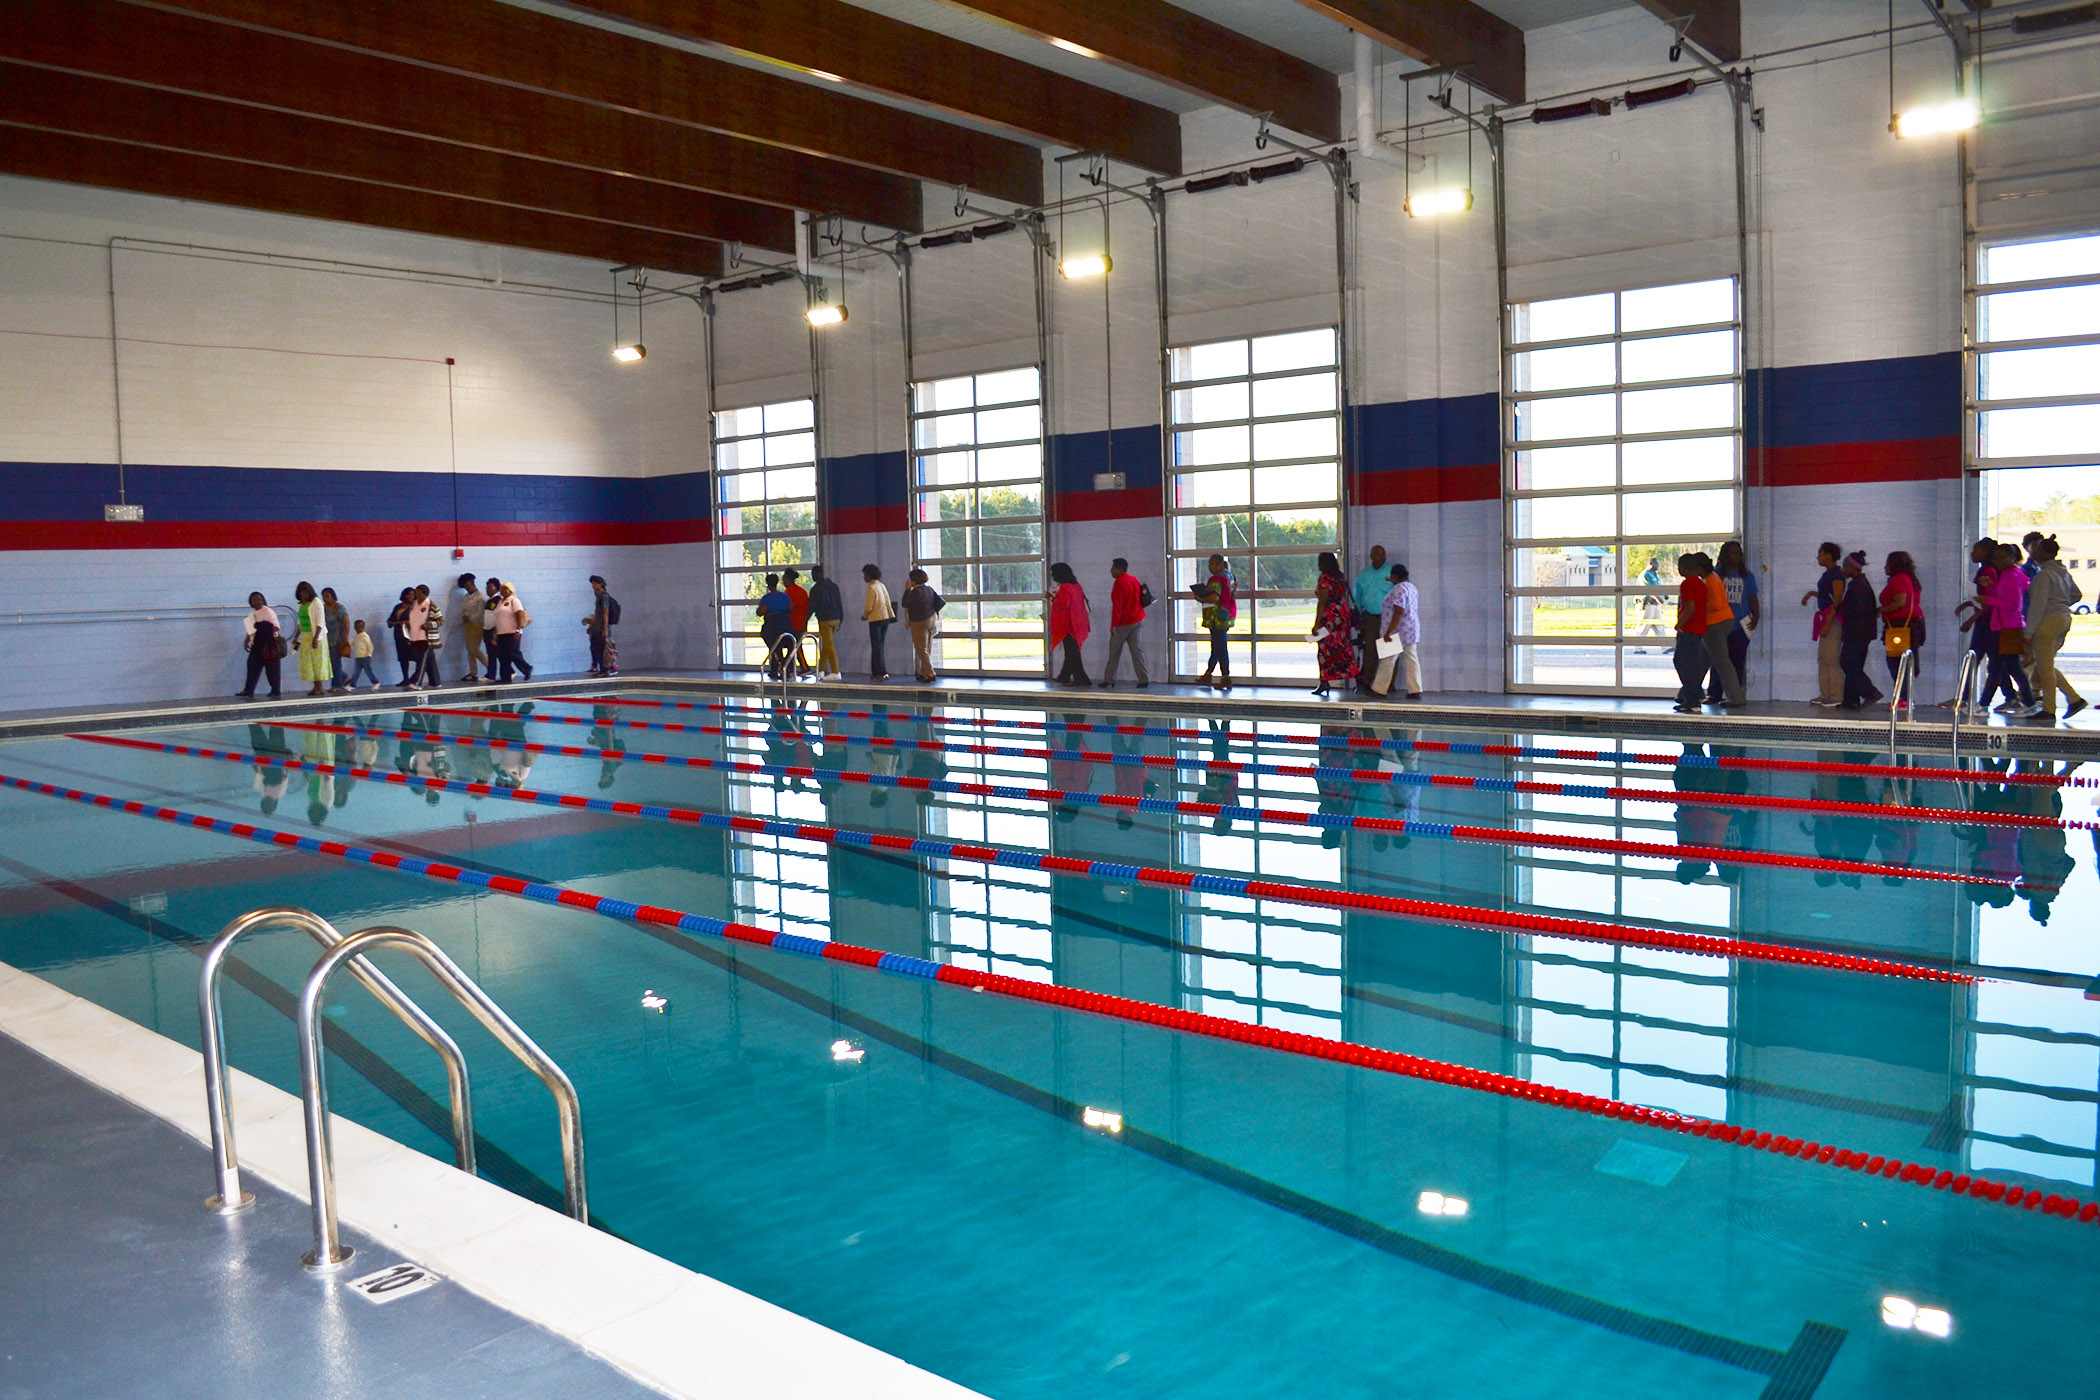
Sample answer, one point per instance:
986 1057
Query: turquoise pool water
1264 1224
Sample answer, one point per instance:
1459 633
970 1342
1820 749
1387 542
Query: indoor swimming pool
1188 1055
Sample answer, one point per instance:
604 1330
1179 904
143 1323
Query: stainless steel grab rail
328 1252
1906 680
1964 685
218 1105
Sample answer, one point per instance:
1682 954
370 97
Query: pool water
1262 1223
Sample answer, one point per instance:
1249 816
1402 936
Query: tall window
765 512
977 515
1623 449
2035 366
1255 476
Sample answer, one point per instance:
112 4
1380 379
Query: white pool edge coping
666 1326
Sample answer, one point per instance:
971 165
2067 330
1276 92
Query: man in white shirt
1402 623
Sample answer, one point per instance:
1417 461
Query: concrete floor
115 1281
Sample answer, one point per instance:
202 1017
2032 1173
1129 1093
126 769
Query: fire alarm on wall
459 553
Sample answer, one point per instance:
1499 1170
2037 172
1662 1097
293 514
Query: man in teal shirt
1367 591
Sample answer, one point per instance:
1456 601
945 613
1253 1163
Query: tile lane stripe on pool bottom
1442 831
1437 910
1122 1008
1351 775
1355 741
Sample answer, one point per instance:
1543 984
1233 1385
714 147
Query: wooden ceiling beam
155 48
83 160
1714 25
1439 32
1171 45
502 43
879 54
113 111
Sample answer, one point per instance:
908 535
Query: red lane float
1599 791
1116 1007
1011 858
1355 741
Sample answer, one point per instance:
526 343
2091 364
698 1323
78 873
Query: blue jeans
1690 659
362 668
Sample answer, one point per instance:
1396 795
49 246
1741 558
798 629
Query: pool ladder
329 1253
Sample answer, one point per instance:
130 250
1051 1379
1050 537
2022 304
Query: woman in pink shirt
2008 610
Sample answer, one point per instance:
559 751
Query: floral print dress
1334 612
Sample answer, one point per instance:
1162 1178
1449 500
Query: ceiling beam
81 160
1456 33
180 53
1171 45
502 43
98 107
879 54
1714 25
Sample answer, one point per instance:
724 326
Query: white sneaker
1820 703
2009 707
2028 711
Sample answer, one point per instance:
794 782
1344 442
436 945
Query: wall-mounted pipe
1369 144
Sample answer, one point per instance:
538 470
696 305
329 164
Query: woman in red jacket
1069 624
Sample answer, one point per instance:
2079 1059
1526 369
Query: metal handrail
328 1252
1906 679
218 1105
1964 683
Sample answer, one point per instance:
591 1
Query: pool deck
119 1282
1785 723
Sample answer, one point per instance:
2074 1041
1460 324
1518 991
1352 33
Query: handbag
2012 641
1896 639
524 618
1145 598
281 648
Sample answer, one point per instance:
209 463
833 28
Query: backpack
1145 598
612 611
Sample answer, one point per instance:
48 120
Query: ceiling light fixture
1093 265
1429 203
1937 119
627 352
825 314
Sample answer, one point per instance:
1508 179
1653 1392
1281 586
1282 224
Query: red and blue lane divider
1357 741
1598 791
1440 831
1118 1008
1437 911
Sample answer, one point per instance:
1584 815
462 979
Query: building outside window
977 515
1254 474
1622 449
765 485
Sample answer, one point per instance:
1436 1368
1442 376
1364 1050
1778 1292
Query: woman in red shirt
1902 605
1069 624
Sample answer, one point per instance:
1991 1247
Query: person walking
1651 604
1126 613
1071 622
433 639
1690 656
1740 585
414 630
490 599
1334 630
1721 628
2049 602
1221 609
605 611
1902 616
828 608
798 617
338 618
1858 613
922 613
1401 627
261 639
471 607
1367 590
361 656
2008 605
878 612
1830 677
774 609
397 628
1975 613
310 639
512 618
